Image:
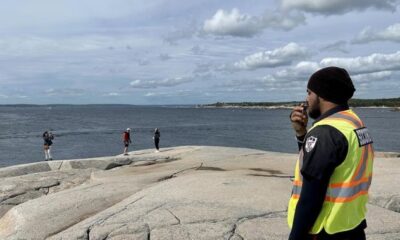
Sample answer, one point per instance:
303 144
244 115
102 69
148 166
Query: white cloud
290 78
328 7
365 82
167 82
237 24
391 33
363 70
372 77
232 23
373 63
282 20
297 72
177 93
112 94
39 46
277 57
367 69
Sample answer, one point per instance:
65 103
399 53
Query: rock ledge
189 192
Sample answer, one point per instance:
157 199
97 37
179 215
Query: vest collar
331 112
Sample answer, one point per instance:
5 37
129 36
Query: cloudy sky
194 51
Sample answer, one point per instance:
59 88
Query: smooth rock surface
191 192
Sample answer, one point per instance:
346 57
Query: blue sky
189 52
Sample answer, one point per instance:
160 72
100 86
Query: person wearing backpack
126 138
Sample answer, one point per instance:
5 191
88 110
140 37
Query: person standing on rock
334 170
156 138
126 138
48 141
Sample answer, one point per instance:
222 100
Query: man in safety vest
334 169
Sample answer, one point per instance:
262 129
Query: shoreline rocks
197 192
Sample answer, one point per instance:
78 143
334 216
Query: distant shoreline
393 103
368 103
286 107
244 105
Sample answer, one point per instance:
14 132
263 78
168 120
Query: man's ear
325 103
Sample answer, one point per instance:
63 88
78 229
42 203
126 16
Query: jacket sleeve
300 141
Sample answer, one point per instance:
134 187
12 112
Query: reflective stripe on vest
340 192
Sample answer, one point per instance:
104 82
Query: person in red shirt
126 138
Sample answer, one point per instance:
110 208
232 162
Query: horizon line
172 104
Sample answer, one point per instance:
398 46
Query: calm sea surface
92 131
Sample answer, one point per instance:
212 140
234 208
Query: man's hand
299 120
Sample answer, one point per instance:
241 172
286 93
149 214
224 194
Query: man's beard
314 111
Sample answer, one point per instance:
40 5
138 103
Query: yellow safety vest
347 195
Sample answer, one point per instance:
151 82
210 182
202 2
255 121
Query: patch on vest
363 136
310 143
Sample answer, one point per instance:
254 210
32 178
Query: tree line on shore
383 102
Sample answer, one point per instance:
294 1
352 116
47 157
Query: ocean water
96 130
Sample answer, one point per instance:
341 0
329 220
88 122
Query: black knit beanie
332 84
